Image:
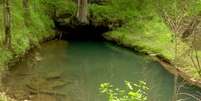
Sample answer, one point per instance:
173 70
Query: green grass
142 26
151 37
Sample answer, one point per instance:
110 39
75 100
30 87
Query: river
73 71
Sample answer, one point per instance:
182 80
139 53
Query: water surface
73 71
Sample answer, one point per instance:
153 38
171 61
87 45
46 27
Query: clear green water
73 71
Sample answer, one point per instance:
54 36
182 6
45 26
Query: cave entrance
81 32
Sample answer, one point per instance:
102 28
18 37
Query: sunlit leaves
133 91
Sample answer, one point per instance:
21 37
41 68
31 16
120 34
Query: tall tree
82 11
7 23
27 19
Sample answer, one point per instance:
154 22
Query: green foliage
116 11
133 92
23 37
59 7
176 8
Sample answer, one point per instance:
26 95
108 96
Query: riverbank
146 31
24 37
159 56
178 72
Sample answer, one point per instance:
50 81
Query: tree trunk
27 19
82 11
7 23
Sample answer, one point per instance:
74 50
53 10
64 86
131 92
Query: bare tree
194 53
7 23
191 27
82 11
183 26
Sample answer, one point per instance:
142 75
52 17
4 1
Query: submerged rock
57 84
46 84
54 75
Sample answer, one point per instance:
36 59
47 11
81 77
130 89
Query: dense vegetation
154 27
165 28
23 37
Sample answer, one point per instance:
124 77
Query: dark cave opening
81 32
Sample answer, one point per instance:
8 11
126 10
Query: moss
24 37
